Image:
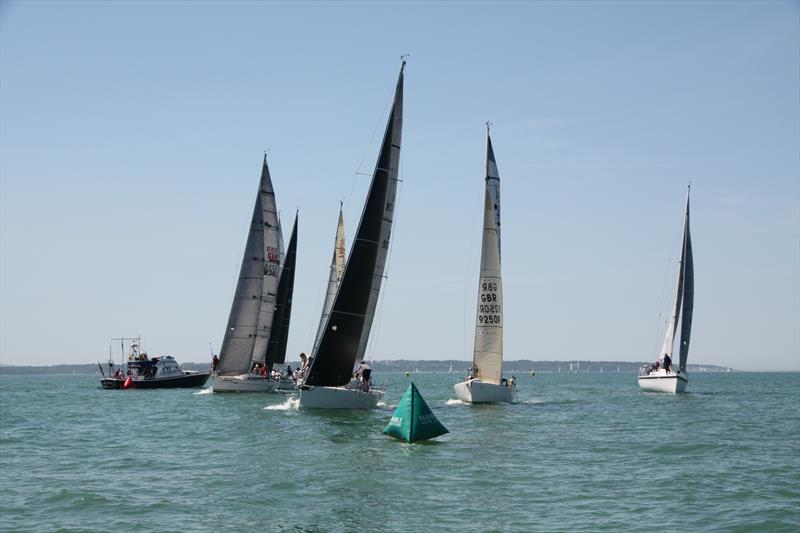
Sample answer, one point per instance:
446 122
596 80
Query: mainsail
249 322
337 268
487 358
347 330
687 265
493 182
684 300
279 336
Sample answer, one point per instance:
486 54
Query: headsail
335 276
347 330
245 324
487 358
687 265
279 336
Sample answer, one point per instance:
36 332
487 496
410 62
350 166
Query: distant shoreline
523 366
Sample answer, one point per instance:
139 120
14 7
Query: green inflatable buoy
413 420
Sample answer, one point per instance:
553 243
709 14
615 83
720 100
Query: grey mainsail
247 332
335 275
493 182
347 330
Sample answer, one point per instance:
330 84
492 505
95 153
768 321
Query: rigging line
667 274
467 298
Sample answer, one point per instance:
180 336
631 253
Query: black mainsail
347 330
279 337
687 267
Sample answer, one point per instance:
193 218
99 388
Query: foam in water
292 404
454 401
209 390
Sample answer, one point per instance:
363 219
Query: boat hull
476 391
189 380
338 398
661 381
242 383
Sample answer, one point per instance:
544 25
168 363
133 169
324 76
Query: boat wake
208 390
455 401
292 404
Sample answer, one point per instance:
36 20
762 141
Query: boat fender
128 383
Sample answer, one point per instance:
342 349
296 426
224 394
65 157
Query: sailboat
335 276
279 333
344 339
247 335
485 382
657 378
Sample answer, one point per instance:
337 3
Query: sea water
577 452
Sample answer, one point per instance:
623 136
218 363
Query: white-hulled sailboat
657 378
250 320
485 383
343 343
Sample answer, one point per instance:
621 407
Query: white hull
286 385
242 383
475 391
661 381
338 398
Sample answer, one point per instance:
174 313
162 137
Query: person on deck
667 363
289 372
262 371
214 363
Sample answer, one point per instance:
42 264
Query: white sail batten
487 357
337 267
245 329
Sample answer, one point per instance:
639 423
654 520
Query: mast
347 330
335 276
487 358
279 337
687 263
244 320
493 181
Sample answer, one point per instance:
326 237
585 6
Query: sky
132 134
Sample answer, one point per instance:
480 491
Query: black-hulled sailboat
329 382
662 375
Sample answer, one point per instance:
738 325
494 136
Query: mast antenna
488 126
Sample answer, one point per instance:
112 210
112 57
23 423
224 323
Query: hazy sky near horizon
131 138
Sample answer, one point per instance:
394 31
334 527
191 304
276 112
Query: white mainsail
337 267
487 358
493 182
250 319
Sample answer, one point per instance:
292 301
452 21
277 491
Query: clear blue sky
131 137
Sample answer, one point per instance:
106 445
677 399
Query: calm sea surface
578 452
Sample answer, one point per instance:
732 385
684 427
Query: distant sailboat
335 276
251 317
281 319
485 384
657 378
344 340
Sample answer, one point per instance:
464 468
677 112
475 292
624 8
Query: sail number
490 311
